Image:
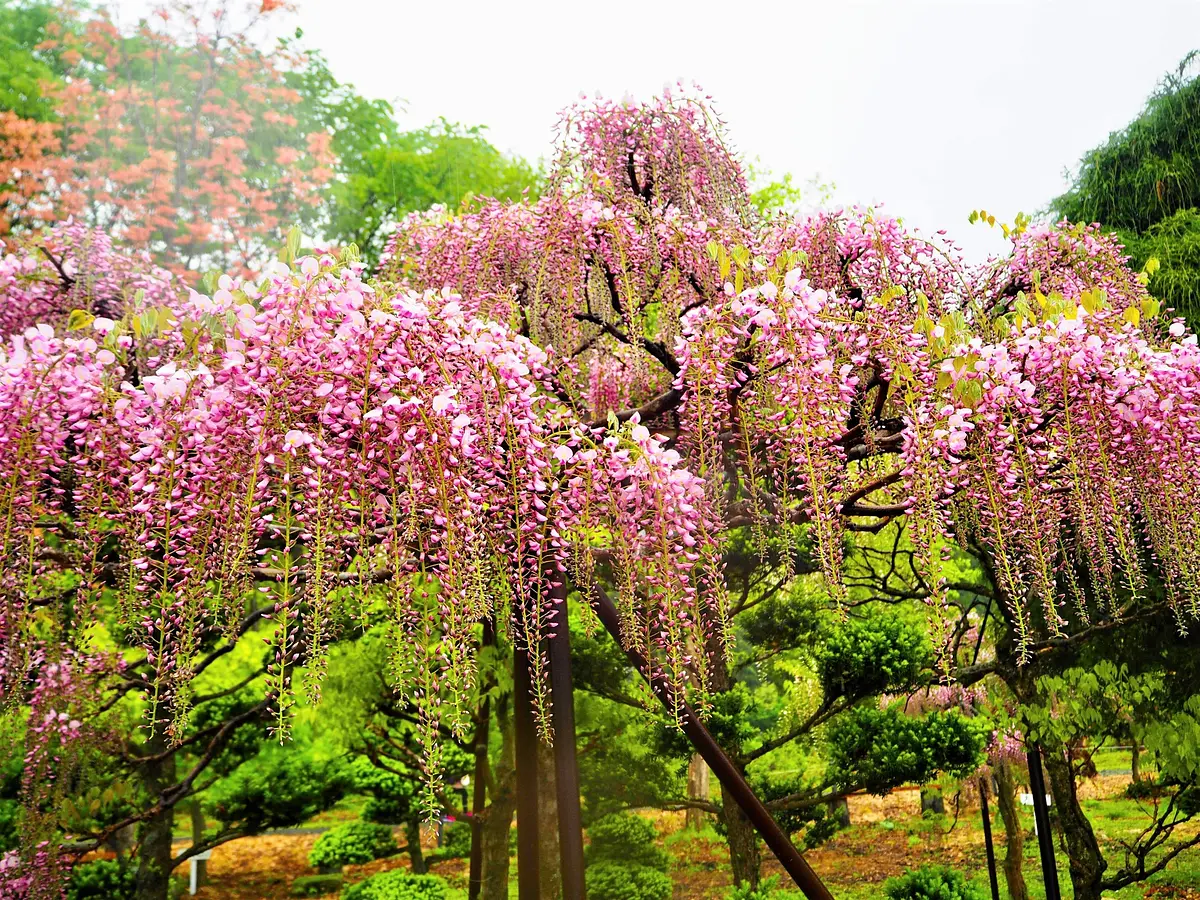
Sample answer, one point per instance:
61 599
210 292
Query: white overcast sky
932 108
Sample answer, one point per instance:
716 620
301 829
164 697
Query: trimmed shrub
315 885
399 885
931 883
456 840
627 841
352 843
277 790
1143 790
103 879
614 881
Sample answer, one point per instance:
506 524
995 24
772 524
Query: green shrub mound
456 841
352 843
617 881
103 879
931 883
624 863
399 885
315 885
625 840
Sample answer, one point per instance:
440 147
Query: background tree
1144 183
185 137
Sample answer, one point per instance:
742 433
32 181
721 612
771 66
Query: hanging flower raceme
604 382
261 448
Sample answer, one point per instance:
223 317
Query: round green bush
456 840
103 879
354 842
625 840
1143 790
615 881
398 885
931 883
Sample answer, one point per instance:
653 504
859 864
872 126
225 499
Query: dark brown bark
497 820
416 857
839 809
698 789
932 801
154 858
1135 764
1087 864
745 855
1014 836
549 870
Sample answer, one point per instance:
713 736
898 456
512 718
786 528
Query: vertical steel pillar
987 838
1041 815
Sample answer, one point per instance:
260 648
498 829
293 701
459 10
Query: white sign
1027 800
200 859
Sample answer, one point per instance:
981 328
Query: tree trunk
199 826
154 857
1087 863
1014 836
416 857
932 801
1135 763
550 866
745 855
839 811
697 789
497 821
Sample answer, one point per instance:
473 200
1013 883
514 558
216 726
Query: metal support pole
527 777
789 857
1041 815
987 838
566 764
478 801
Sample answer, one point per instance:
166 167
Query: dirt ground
896 839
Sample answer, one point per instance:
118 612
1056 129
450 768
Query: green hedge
103 879
398 885
625 840
931 883
616 881
351 844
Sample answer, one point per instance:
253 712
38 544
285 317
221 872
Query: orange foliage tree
180 136
30 169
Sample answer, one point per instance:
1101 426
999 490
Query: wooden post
789 857
527 776
566 763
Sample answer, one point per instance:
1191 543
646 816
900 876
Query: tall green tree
26 67
1144 183
384 172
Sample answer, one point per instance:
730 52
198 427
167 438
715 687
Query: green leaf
79 319
292 249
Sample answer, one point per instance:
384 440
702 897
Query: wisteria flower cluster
599 385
